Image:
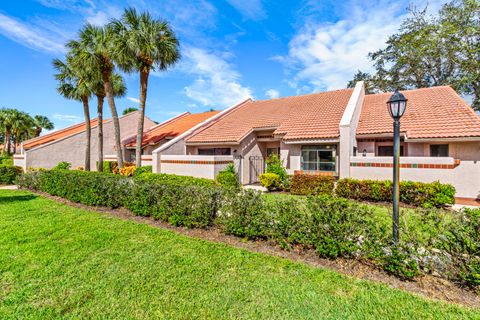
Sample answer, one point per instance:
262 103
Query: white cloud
250 9
30 36
134 100
272 93
325 56
67 117
217 83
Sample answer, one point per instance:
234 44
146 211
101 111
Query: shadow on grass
19 198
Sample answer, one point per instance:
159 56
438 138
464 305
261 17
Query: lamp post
396 107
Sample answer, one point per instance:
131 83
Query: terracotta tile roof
171 128
437 112
313 116
59 134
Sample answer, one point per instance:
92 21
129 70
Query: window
319 158
387 151
214 152
439 150
271 151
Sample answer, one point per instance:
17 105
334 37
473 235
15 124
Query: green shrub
305 184
9 173
63 165
143 169
428 195
271 181
243 214
171 179
228 177
6 160
275 165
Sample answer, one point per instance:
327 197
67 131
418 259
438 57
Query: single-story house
69 144
343 133
160 134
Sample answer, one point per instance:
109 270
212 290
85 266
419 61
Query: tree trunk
100 132
113 110
141 119
8 139
88 132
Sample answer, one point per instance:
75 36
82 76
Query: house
342 133
69 144
160 134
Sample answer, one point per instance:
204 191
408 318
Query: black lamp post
396 107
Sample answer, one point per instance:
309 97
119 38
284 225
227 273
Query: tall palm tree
8 117
40 123
143 44
73 84
119 90
94 51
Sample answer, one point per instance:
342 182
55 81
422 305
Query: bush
271 181
63 165
305 184
430 239
109 166
228 177
6 160
427 195
128 171
143 169
274 165
9 173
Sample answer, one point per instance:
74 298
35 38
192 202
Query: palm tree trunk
100 131
141 119
88 132
106 75
8 139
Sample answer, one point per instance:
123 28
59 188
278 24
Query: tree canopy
431 50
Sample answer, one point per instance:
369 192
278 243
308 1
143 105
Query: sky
231 50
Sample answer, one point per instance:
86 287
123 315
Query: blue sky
231 50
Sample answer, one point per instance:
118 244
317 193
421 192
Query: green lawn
61 262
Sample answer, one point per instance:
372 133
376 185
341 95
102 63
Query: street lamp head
397 105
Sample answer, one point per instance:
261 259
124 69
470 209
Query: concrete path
256 187
12 187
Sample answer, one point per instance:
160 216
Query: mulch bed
426 286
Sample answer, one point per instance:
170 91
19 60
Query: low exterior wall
20 160
147 160
463 175
194 166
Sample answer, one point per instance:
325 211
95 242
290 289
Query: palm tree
94 51
73 84
129 110
22 128
40 123
119 90
8 117
143 44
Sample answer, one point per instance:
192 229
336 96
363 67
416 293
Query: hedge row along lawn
58 261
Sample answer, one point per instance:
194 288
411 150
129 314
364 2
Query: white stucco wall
194 166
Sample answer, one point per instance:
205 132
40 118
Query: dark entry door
256 168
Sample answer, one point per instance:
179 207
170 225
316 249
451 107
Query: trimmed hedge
428 195
306 184
9 173
431 240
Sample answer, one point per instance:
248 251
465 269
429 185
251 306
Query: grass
61 262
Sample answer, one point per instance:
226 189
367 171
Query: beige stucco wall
72 148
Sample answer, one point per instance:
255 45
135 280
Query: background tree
94 51
42 122
366 78
73 84
119 90
428 51
144 44
129 110
7 120
23 127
